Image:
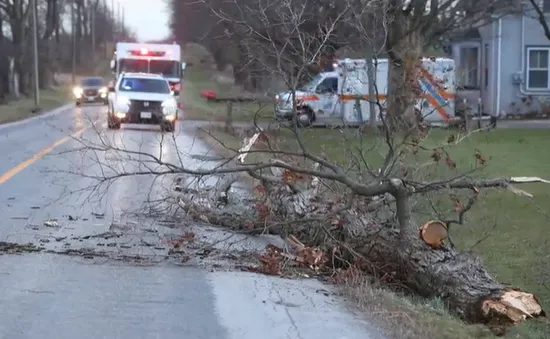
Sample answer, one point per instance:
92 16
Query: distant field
198 108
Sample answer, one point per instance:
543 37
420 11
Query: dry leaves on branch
292 177
263 210
436 154
480 158
275 258
186 237
457 204
271 261
451 139
450 162
313 258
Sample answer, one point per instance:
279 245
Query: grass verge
405 317
508 231
198 108
25 108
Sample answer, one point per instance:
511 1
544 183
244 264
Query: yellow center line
6 176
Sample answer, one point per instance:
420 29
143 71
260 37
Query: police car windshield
91 82
144 85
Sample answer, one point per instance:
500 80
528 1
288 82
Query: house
505 65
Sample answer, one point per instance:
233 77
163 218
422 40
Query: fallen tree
374 222
366 215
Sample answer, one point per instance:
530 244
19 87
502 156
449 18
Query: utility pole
103 34
73 32
92 24
122 25
35 52
118 20
113 17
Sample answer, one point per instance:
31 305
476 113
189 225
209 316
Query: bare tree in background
54 42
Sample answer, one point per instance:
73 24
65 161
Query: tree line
92 25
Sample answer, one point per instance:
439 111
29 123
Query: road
119 283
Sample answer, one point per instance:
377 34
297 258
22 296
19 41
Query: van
342 95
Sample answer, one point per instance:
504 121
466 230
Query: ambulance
163 59
342 95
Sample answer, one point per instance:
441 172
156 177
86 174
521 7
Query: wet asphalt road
44 176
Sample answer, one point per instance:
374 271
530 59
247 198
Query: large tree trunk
405 49
368 229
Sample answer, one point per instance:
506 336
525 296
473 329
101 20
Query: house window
486 66
468 68
537 68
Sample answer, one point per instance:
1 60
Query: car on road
142 98
91 90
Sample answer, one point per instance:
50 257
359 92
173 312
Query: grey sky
148 18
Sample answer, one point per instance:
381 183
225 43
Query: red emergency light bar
175 86
146 52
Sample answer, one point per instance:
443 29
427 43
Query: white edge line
50 113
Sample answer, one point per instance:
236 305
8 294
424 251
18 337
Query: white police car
141 98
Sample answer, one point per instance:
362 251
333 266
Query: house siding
514 99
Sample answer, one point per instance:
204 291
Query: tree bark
405 48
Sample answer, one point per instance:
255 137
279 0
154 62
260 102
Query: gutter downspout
499 53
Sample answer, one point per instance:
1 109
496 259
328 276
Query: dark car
90 90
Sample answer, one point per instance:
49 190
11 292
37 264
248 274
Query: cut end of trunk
434 233
510 307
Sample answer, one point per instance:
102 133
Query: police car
142 98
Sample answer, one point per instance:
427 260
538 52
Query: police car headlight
77 92
169 106
123 104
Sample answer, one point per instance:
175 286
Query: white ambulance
163 59
331 97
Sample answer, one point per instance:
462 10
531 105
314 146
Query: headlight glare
123 101
123 104
169 106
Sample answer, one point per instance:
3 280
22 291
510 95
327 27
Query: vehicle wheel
305 118
168 127
112 124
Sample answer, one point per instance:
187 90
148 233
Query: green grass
198 108
511 233
23 108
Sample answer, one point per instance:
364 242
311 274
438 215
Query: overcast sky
149 21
